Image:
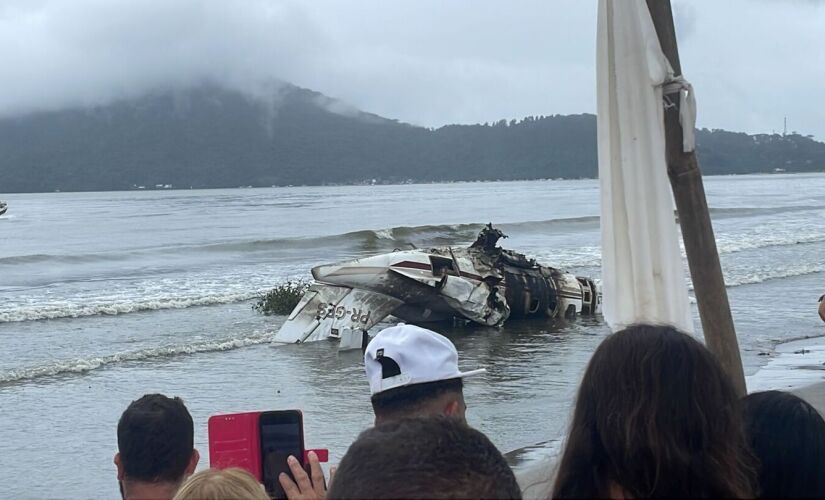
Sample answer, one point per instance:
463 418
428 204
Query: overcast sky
428 62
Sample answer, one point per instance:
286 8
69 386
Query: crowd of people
655 415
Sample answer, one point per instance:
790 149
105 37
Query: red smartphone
234 441
282 435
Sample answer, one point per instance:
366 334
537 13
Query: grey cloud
684 18
92 51
429 62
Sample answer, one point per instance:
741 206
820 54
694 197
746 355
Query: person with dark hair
155 440
788 436
429 457
414 372
655 416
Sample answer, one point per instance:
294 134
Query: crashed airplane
482 283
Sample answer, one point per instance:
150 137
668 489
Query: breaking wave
738 243
84 365
751 277
40 258
730 212
232 286
404 236
754 276
567 258
84 307
367 239
363 240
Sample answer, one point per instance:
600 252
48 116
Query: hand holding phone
302 486
261 443
282 437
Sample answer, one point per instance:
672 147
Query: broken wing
330 311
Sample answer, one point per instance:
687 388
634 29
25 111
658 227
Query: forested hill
211 137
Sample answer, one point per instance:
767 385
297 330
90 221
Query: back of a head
155 439
413 400
788 437
215 484
414 372
655 416
436 457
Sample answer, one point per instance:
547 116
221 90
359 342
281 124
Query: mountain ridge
211 137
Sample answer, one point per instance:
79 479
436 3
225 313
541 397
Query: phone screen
281 436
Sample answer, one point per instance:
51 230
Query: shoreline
409 182
793 366
796 366
814 394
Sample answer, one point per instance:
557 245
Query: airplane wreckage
483 283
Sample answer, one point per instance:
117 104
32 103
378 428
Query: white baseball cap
407 354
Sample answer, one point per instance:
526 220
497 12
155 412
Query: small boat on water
3 207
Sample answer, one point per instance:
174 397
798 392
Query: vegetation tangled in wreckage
283 298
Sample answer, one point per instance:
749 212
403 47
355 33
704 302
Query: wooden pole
694 219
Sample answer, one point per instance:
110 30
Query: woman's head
655 416
788 437
216 484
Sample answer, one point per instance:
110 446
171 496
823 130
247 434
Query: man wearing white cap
413 372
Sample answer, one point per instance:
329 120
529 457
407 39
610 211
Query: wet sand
535 469
815 395
798 367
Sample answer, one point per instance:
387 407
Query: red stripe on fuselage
413 265
427 267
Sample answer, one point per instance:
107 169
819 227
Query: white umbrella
643 274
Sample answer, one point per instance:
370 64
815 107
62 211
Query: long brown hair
656 416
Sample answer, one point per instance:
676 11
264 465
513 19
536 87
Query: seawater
107 296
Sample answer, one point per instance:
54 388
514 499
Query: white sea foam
83 365
737 242
385 234
761 275
563 258
85 306
205 289
170 294
589 256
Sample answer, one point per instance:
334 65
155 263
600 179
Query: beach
814 394
107 296
797 366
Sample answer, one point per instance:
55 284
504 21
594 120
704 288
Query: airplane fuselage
481 283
